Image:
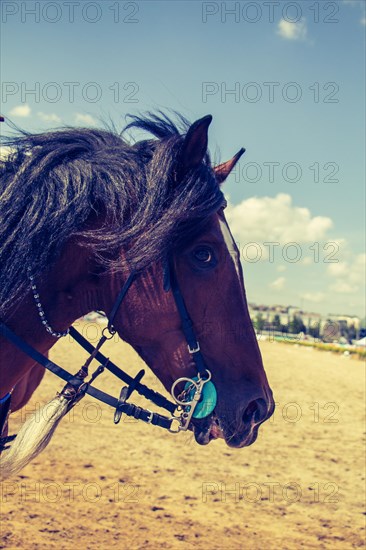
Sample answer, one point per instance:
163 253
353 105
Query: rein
197 399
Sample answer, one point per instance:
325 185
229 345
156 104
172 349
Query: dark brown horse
80 210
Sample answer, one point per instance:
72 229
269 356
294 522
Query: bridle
197 399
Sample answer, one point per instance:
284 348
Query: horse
86 213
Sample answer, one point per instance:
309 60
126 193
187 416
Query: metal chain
41 312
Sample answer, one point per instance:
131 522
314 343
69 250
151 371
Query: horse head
204 261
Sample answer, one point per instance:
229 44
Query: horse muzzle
236 434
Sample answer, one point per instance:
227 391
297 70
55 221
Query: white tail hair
33 437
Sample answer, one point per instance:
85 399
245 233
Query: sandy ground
134 486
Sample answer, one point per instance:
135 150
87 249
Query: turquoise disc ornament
208 399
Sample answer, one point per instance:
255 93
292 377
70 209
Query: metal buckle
207 373
108 332
177 421
151 416
121 401
194 350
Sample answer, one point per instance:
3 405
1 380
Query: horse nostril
256 410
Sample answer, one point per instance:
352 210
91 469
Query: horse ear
223 170
194 146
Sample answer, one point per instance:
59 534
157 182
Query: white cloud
359 4
81 118
314 297
275 219
278 284
350 276
49 117
21 111
338 270
338 244
292 31
307 260
342 287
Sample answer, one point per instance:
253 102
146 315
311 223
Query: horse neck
70 289
73 287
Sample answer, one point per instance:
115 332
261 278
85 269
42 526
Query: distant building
328 324
345 320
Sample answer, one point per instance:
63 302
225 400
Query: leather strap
4 411
34 354
143 390
187 325
127 408
119 301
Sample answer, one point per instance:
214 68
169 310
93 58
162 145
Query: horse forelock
52 183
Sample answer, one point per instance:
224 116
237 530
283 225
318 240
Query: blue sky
286 80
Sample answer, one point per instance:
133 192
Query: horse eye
203 255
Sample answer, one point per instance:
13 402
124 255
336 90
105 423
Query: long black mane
52 184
